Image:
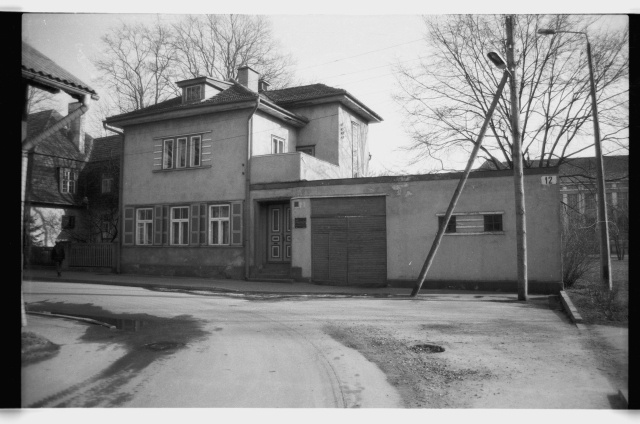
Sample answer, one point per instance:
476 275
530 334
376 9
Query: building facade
232 180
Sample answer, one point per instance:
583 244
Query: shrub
578 244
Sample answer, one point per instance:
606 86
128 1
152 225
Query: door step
271 279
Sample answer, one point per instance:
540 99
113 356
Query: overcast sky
342 49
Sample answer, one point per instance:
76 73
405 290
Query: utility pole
463 179
518 179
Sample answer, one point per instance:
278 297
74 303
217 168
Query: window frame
192 153
183 227
68 180
168 160
189 93
450 224
145 221
278 143
218 222
494 223
464 228
181 150
106 188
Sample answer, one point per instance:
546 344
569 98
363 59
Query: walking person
57 256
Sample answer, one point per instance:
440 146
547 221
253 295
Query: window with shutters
219 225
68 180
180 225
144 226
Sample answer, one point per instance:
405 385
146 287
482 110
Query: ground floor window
473 223
451 226
493 223
180 225
144 226
219 224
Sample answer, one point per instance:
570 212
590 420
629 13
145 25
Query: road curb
571 310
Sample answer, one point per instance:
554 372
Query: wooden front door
279 234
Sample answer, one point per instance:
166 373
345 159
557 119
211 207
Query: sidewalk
214 285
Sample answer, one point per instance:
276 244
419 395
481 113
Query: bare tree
39 100
137 65
446 97
217 45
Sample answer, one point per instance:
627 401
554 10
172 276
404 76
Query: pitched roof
304 92
106 148
57 144
238 93
290 96
37 63
232 94
582 168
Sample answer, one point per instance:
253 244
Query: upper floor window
355 149
107 183
182 152
277 145
193 93
68 180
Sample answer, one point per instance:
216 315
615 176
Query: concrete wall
412 208
322 131
225 137
264 127
199 261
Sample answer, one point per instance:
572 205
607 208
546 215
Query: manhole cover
160 346
427 348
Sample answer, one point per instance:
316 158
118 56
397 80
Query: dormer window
193 93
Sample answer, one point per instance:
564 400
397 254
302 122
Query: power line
361 54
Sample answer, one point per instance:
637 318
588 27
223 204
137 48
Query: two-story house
234 180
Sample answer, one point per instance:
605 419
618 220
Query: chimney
76 127
263 85
248 77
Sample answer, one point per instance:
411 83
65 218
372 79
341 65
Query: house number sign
300 223
549 179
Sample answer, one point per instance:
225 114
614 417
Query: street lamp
500 63
603 223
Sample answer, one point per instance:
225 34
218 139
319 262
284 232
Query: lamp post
603 223
500 63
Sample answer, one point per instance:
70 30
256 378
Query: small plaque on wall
300 222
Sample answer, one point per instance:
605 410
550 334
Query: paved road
500 353
239 358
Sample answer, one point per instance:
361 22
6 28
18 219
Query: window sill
484 233
192 168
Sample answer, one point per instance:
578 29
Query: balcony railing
295 166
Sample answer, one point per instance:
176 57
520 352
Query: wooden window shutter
236 223
165 225
129 218
203 223
195 224
157 225
60 178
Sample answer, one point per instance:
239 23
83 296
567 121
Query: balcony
295 166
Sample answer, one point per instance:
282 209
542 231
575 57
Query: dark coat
57 253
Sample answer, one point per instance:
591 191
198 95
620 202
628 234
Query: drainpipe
27 145
120 191
247 187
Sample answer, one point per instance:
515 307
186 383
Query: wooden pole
456 194
516 154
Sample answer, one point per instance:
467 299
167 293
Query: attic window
193 93
68 180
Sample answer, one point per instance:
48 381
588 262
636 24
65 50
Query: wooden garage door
349 240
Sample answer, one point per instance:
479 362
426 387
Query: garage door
349 240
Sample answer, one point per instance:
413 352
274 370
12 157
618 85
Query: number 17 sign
549 179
